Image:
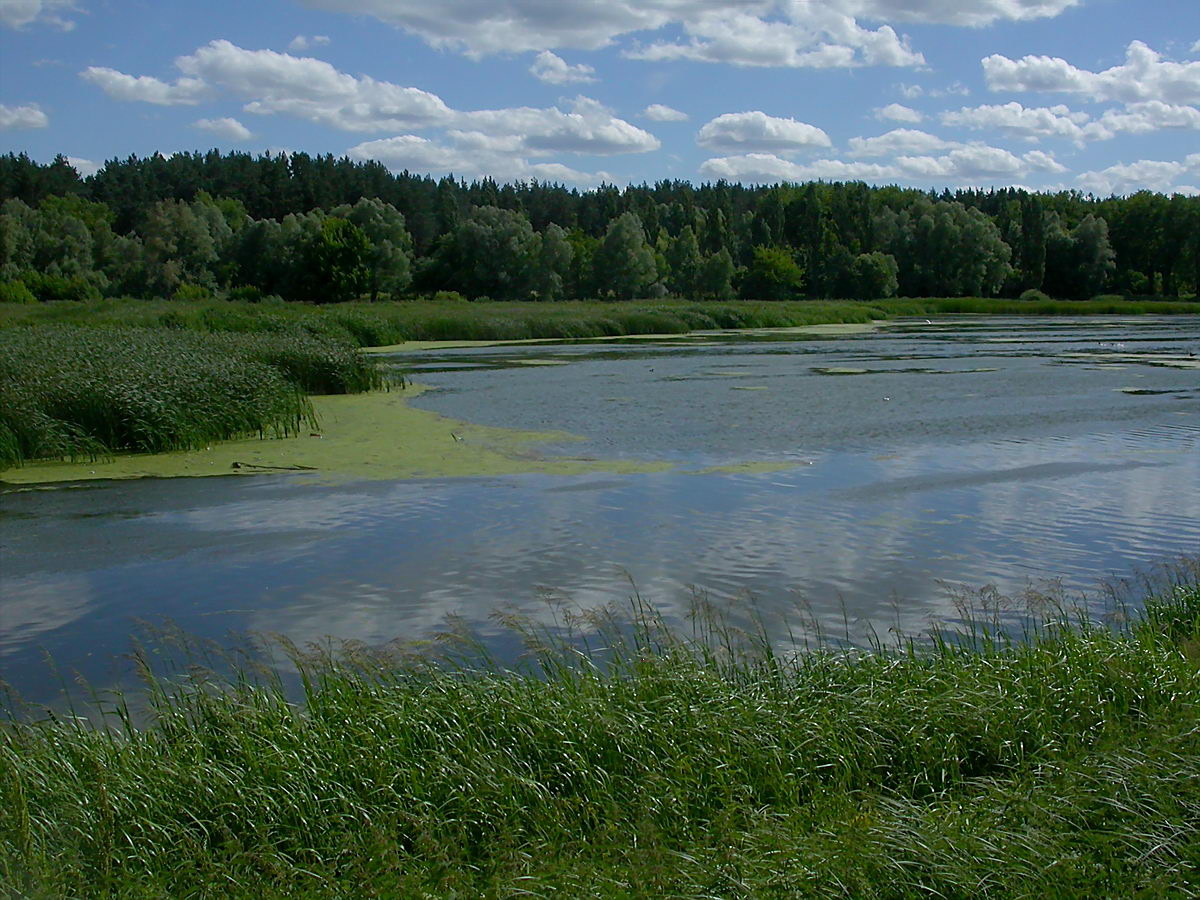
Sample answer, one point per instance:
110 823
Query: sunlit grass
622 759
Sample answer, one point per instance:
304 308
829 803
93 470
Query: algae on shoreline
375 435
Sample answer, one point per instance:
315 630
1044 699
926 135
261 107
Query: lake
850 479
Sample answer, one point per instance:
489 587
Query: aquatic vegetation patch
70 392
367 436
623 758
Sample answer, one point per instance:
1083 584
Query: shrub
246 293
189 291
59 287
449 297
16 292
1033 294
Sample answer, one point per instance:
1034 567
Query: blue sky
1101 96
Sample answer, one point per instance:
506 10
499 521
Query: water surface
849 476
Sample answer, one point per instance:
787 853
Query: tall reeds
84 392
624 760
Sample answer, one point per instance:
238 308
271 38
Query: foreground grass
68 391
1065 765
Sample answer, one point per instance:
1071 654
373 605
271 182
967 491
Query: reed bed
85 392
623 760
379 324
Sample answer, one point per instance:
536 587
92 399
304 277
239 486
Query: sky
1100 96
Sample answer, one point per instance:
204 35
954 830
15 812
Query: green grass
997 306
378 324
68 391
1066 764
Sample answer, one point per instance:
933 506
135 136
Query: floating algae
363 436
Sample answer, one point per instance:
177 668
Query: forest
323 229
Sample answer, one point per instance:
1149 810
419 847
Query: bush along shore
1065 763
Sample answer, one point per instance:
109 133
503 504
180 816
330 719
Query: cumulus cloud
1019 121
480 27
1144 76
1060 121
657 112
553 69
307 88
973 13
756 131
763 168
229 128
302 42
274 83
1143 118
896 112
146 89
17 117
898 142
469 155
817 37
964 164
589 127
19 13
1145 174
84 167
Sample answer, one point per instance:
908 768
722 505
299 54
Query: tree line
326 229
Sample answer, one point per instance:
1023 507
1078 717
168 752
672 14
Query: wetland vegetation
1060 761
623 759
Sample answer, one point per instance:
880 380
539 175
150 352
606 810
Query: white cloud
84 167
311 89
1196 47
1059 121
762 168
756 131
972 13
553 69
1145 75
228 128
1017 120
28 116
1040 161
898 142
895 112
480 27
144 88
1145 174
1143 118
471 155
816 37
588 127
302 42
19 13
656 112
964 164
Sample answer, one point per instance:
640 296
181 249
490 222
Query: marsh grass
73 392
622 757
380 324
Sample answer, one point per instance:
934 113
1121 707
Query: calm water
988 451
